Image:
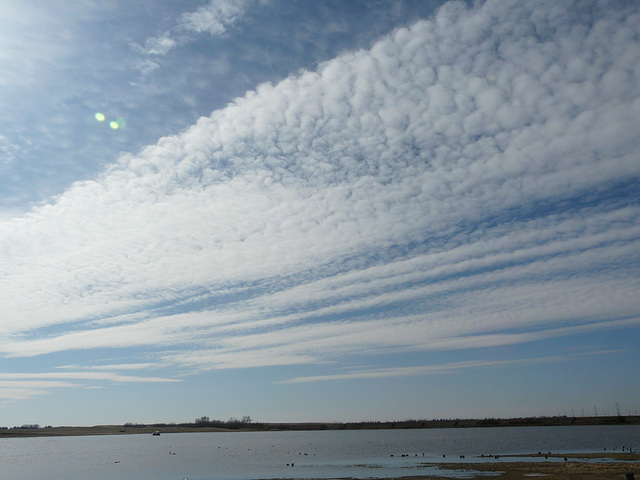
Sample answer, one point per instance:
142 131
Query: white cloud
214 18
8 151
159 45
456 180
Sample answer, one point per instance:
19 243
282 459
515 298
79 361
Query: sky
318 210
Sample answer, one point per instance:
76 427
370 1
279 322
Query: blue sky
324 211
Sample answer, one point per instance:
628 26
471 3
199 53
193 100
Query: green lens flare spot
114 125
100 117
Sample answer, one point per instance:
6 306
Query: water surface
269 455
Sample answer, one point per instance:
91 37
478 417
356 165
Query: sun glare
116 124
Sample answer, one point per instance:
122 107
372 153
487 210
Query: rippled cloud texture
468 182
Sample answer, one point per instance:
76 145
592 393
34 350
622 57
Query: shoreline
132 429
560 466
605 470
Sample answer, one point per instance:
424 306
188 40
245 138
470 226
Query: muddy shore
571 470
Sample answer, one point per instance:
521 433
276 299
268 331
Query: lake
269 455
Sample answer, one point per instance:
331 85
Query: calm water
265 455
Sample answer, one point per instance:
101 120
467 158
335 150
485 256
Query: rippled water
268 455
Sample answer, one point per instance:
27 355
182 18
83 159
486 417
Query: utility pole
617 408
595 410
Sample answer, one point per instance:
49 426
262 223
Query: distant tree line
246 423
205 422
28 426
233 422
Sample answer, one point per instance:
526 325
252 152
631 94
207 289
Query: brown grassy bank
102 430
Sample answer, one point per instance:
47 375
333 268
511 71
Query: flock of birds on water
623 449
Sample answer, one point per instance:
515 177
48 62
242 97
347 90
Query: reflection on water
269 455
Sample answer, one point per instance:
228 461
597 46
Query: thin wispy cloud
441 369
467 182
23 386
108 376
213 18
15 390
122 366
